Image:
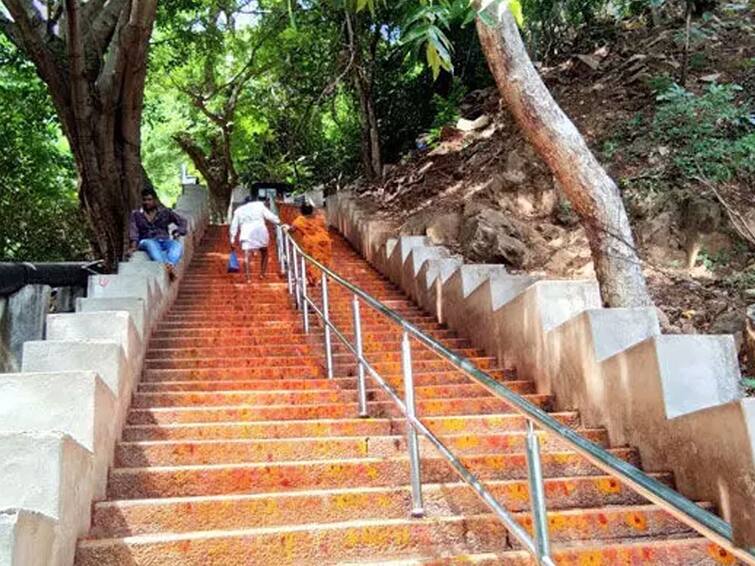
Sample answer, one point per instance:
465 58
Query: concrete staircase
237 450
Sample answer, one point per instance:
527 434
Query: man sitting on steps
148 230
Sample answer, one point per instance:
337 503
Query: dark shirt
140 228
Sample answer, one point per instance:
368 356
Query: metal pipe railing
688 512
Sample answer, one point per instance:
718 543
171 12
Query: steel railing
294 260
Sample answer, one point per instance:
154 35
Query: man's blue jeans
164 251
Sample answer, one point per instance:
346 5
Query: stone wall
61 415
677 398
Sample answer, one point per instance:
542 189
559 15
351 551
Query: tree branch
101 30
27 31
9 30
195 153
741 227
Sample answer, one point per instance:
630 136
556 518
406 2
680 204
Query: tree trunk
591 192
372 159
371 156
214 167
749 340
93 60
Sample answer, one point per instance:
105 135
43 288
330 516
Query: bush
710 135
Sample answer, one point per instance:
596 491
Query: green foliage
660 83
38 204
741 280
446 110
425 30
711 135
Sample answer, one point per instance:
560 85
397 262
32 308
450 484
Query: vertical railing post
288 266
326 317
297 281
418 509
279 248
304 304
361 389
537 495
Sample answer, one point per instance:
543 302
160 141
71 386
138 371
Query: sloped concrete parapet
677 398
105 357
49 473
84 412
674 397
411 282
523 322
141 286
577 349
398 255
105 325
455 293
134 306
79 384
475 315
26 538
432 275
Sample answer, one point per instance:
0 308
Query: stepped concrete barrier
675 397
60 418
432 275
142 286
51 474
115 326
85 412
134 306
26 538
416 259
394 264
481 298
456 290
106 357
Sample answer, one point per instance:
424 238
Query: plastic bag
233 263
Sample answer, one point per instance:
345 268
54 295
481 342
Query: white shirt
238 196
249 218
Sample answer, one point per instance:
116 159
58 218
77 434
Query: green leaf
516 10
748 382
433 59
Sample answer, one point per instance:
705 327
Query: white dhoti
255 238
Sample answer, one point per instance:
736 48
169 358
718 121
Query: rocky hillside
481 190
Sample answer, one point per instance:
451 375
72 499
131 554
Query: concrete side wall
676 398
60 417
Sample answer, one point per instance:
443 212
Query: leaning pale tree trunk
93 57
216 166
592 193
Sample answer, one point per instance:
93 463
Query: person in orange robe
311 233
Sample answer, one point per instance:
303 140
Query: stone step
263 334
219 479
376 352
148 516
352 540
348 426
236 346
645 552
425 388
205 452
236 413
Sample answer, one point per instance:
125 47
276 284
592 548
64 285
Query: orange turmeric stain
720 555
637 521
608 486
594 558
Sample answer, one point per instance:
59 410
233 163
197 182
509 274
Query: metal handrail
706 523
